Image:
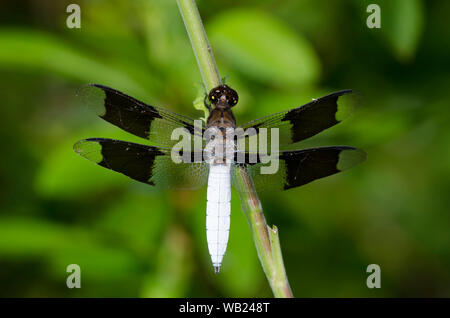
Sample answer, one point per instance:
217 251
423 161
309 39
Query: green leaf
174 267
199 102
31 50
263 47
65 174
137 219
402 23
62 246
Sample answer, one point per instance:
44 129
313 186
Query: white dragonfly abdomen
218 212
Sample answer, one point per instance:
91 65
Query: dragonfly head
223 96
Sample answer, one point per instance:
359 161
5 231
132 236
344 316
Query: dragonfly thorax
221 147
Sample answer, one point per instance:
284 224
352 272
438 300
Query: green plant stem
266 239
200 45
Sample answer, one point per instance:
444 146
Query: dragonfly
221 158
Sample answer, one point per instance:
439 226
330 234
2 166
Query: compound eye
212 98
233 101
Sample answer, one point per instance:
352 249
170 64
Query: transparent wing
306 121
147 164
149 122
299 167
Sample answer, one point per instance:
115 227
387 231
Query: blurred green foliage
131 240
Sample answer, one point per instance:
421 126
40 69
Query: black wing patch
304 166
149 122
308 120
299 167
147 164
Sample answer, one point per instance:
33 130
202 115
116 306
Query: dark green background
133 241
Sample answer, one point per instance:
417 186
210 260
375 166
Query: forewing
147 164
153 123
308 120
299 167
